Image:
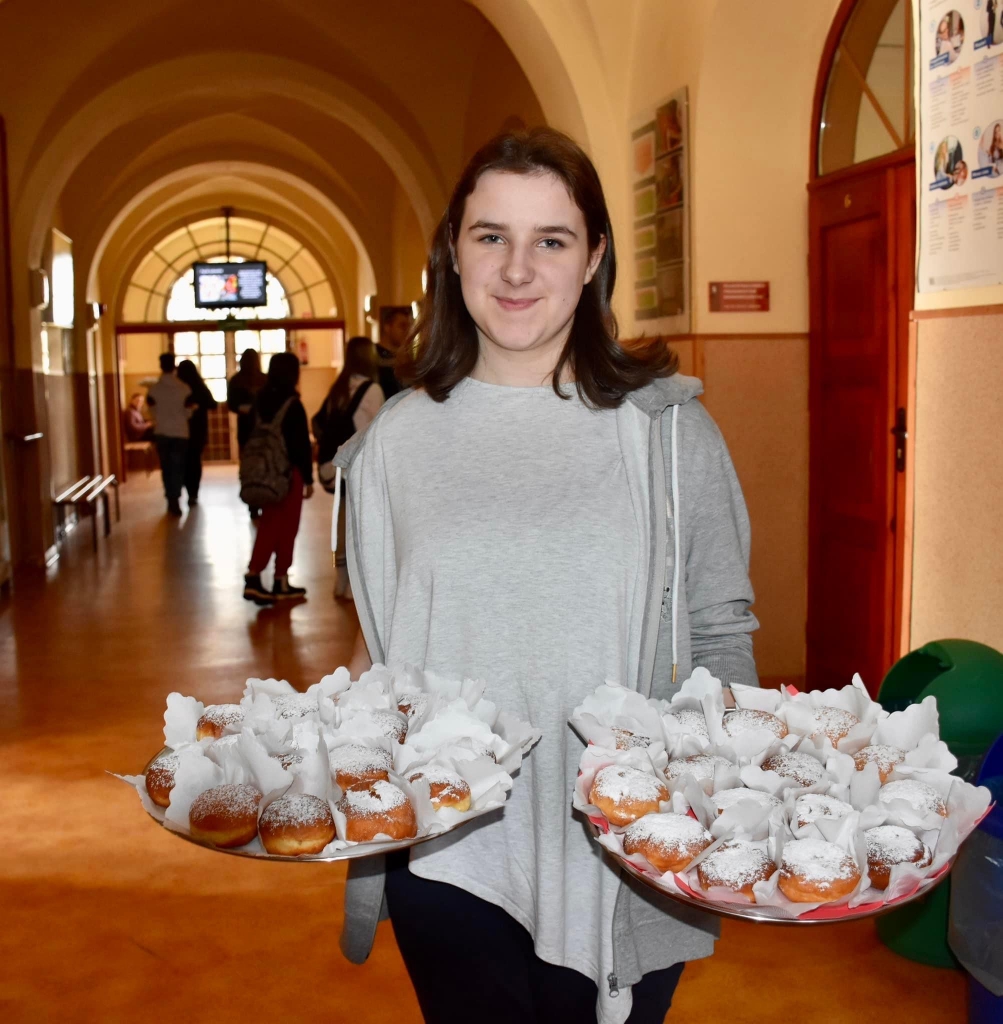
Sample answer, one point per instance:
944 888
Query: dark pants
469 961
193 470
277 529
172 452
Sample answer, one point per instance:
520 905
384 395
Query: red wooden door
862 231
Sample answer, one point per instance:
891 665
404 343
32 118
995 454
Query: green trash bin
967 680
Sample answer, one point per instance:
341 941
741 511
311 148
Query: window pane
217 387
212 342
875 47
265 360
186 343
244 340
214 366
273 341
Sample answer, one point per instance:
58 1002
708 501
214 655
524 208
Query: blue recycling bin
975 931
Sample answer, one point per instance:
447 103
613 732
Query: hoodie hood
656 397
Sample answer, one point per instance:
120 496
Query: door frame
903 332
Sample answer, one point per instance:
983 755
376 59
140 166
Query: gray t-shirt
514 556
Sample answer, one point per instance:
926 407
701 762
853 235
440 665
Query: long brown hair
358 360
445 347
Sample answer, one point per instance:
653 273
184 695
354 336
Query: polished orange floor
106 918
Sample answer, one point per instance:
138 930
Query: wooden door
862 230
6 364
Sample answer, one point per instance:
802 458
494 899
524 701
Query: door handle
901 435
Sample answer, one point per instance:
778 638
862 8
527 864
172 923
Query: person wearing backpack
351 405
276 474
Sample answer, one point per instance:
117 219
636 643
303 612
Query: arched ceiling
350 115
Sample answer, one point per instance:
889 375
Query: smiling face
523 257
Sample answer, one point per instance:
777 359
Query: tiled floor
108 919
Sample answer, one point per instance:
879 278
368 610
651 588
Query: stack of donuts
391 757
788 800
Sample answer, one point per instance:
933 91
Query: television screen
230 285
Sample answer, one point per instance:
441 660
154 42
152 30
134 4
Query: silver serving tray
356 852
752 912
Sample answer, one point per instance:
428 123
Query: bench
87 491
146 450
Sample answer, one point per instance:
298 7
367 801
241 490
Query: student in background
137 427
351 405
241 392
168 399
201 402
279 523
393 333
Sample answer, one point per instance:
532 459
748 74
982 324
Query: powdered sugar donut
624 794
627 740
833 722
881 754
215 718
445 787
352 763
160 778
810 807
296 825
667 841
412 704
737 722
814 871
694 723
700 766
390 724
736 865
888 845
226 815
921 796
803 769
293 705
377 808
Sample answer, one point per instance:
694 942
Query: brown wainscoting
29 500
113 425
945 314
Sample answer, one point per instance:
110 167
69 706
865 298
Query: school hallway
110 918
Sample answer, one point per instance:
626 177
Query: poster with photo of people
660 204
960 144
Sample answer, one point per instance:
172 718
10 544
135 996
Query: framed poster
660 203
959 152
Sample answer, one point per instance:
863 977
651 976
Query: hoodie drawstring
334 516
675 538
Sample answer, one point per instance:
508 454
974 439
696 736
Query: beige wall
958 526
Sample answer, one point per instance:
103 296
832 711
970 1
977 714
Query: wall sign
660 203
959 151
739 296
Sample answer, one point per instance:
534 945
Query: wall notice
739 296
660 201
960 143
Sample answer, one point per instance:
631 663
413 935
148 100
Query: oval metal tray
356 852
822 915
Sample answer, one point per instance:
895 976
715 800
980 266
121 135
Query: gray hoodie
696 613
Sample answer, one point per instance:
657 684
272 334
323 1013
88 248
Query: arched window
866 109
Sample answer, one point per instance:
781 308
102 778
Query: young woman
545 510
279 523
201 403
351 405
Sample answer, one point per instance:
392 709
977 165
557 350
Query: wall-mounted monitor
230 285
